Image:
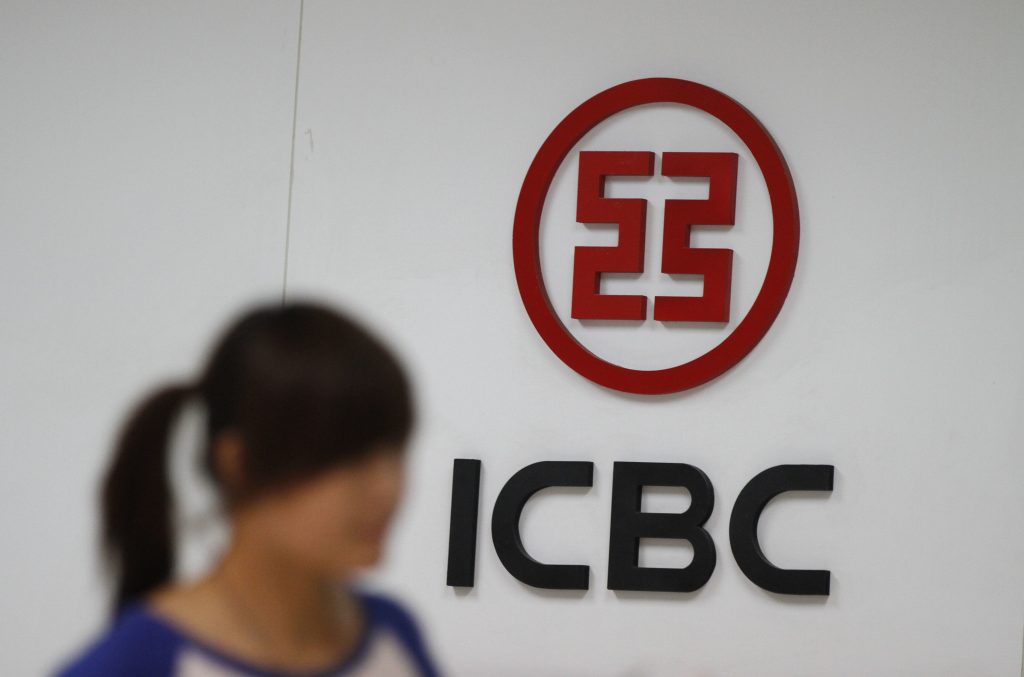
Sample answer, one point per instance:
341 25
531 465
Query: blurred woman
307 419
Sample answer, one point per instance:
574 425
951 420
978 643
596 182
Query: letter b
629 524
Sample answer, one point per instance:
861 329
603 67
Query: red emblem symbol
678 257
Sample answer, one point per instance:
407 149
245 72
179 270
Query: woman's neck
285 602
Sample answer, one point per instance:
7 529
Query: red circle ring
781 265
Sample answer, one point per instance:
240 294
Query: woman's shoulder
139 643
386 610
384 606
132 644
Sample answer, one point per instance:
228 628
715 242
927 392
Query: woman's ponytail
138 533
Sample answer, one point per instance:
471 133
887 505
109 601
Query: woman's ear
229 461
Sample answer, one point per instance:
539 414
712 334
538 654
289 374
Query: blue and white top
139 643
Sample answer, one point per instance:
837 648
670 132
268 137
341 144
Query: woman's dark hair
304 387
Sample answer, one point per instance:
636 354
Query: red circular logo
781 265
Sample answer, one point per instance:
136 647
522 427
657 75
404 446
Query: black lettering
629 524
505 524
743 528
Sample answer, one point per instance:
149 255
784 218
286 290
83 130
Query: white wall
144 155
896 357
